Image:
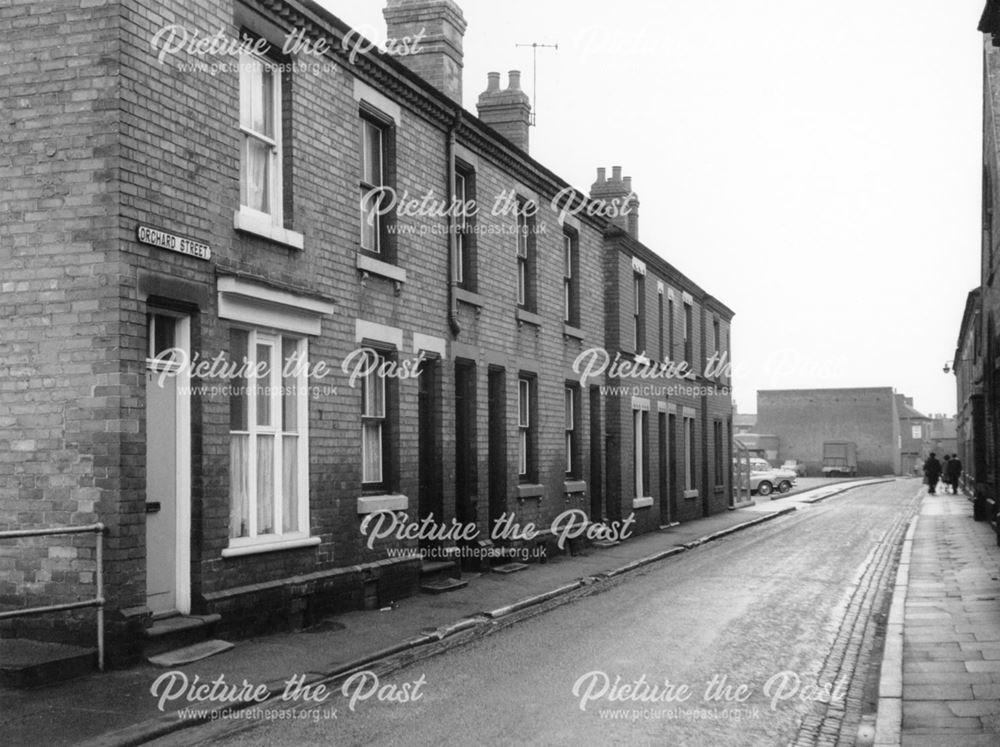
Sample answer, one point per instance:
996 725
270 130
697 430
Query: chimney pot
618 190
508 111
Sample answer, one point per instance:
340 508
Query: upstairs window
260 127
526 282
372 178
571 282
639 313
670 328
688 334
465 238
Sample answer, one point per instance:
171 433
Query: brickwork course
102 136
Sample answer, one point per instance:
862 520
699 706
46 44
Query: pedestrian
932 472
953 473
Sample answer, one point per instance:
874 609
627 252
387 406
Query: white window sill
644 502
369 504
691 493
383 269
259 224
253 547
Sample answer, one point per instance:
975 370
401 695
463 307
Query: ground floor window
376 447
526 428
640 442
689 454
717 453
268 434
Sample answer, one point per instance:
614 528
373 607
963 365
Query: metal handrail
97 601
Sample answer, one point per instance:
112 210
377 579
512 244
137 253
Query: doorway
168 465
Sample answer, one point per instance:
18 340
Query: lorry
840 458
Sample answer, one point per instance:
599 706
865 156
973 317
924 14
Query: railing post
100 596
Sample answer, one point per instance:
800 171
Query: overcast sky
814 165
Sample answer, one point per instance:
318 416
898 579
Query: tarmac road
776 616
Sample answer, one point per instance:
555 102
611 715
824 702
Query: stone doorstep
177 631
25 663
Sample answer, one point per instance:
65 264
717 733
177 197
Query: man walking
932 472
953 473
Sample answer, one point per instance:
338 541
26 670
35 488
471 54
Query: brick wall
805 418
62 429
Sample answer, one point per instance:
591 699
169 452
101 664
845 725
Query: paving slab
950 662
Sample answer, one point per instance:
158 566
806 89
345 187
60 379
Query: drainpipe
456 328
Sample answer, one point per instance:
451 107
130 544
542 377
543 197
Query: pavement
940 681
119 708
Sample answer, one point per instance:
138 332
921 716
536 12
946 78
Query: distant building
943 435
804 419
744 422
914 436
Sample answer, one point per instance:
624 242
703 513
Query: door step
178 631
439 576
442 585
190 654
605 543
27 663
509 568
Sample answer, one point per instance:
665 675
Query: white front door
168 448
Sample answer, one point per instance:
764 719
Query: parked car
799 468
765 479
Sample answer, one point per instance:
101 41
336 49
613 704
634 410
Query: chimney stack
508 111
440 26
618 190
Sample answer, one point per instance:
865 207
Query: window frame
571 407
571 277
275 340
639 312
717 443
688 333
527 428
275 192
690 456
384 481
525 245
465 265
640 452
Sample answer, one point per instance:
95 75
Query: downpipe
453 323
